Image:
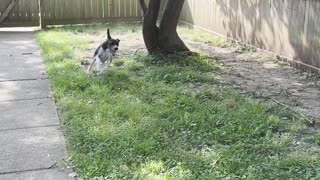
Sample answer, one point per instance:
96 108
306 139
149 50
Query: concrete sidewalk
31 140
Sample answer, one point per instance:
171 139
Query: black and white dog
104 54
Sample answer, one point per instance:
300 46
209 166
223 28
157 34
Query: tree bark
163 39
143 6
150 30
169 40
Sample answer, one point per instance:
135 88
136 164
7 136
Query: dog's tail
109 37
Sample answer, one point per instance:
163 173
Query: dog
104 54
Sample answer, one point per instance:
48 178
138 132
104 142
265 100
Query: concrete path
31 140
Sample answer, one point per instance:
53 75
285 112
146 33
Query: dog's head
113 44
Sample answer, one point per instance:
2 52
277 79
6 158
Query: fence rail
286 27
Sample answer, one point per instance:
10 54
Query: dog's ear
118 40
109 37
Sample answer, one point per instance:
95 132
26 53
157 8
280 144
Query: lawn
166 117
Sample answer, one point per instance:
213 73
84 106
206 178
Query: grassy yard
166 117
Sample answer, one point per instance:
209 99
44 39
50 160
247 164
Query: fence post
42 25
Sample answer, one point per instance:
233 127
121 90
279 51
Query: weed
118 63
316 139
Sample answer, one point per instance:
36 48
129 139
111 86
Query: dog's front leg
106 67
99 64
91 64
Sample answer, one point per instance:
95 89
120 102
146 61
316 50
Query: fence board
313 41
14 14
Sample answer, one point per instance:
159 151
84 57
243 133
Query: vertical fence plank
24 11
34 10
99 9
124 8
110 8
58 10
70 8
213 14
127 8
188 11
313 43
52 10
14 14
93 9
82 11
2 7
137 8
131 7
114 8
88 9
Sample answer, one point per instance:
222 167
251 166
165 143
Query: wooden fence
87 11
56 12
290 28
24 13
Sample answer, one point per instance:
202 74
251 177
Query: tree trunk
150 30
169 39
163 39
143 6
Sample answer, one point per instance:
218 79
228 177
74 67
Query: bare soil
262 74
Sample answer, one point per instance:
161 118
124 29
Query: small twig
188 53
311 122
138 50
210 57
152 47
26 53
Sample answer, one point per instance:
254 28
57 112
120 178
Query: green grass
165 117
316 138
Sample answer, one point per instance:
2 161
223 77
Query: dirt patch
261 73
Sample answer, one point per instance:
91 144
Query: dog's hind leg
91 64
